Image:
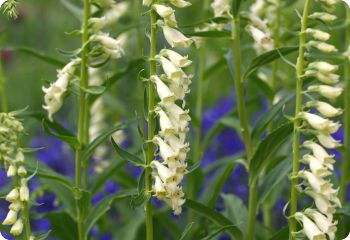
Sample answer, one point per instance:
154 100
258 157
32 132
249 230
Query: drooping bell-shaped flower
325 109
180 3
175 38
309 228
177 59
17 228
326 91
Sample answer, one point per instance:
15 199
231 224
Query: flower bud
22 172
328 141
11 171
318 34
326 91
180 3
17 228
24 192
323 16
13 195
10 218
176 38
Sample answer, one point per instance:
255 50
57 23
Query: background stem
346 154
150 132
3 90
297 122
26 220
82 117
239 87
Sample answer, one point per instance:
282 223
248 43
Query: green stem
82 118
151 105
199 104
3 91
276 36
239 87
26 220
297 122
346 154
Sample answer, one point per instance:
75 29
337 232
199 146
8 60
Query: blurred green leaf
265 119
75 10
88 151
236 4
210 34
214 216
209 20
42 236
102 208
281 234
274 178
39 55
127 156
100 179
236 211
70 140
140 199
267 147
96 90
62 225
186 231
43 171
268 57
213 189
212 235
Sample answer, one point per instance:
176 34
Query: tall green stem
346 154
26 220
239 87
150 132
82 117
199 103
3 91
297 122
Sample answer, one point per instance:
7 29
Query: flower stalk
297 122
346 154
82 122
239 87
3 90
150 131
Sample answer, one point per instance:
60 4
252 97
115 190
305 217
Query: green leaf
267 147
215 217
210 34
140 199
217 182
96 90
186 231
42 236
75 10
345 210
62 225
274 178
213 69
268 57
209 20
43 171
127 156
70 140
236 6
102 208
193 167
39 55
281 234
100 179
63 193
212 235
88 151
236 211
265 119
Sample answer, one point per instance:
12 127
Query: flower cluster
13 159
9 7
171 86
54 95
317 223
109 46
260 29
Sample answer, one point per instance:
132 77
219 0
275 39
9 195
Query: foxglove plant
171 86
12 157
317 223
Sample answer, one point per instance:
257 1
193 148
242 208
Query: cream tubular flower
318 34
323 16
325 109
17 228
11 218
177 59
221 7
322 46
175 38
326 91
180 3
327 78
316 167
319 152
323 67
310 229
163 11
168 154
166 126
320 123
322 204
172 72
165 94
328 141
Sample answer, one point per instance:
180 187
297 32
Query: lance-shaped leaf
127 156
